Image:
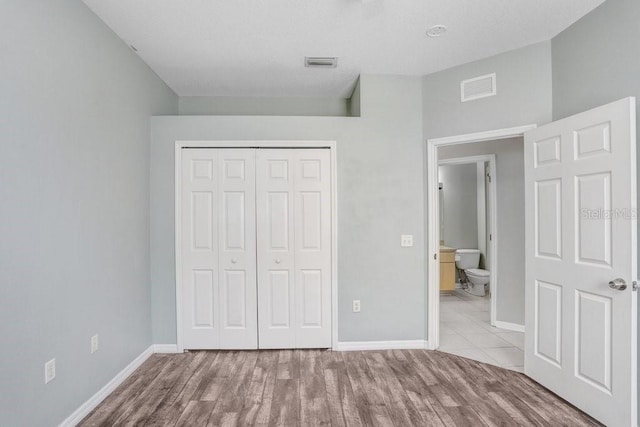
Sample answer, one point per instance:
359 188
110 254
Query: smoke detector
436 31
320 62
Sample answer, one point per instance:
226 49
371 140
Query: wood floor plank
369 399
196 413
423 363
285 405
152 393
400 407
547 401
162 412
223 368
167 379
314 409
473 388
340 398
258 397
488 410
264 411
413 386
234 390
169 415
312 387
123 396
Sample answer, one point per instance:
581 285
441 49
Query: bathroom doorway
467 206
476 252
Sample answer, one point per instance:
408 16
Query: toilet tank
467 258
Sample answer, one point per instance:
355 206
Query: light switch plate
95 344
406 240
356 306
49 370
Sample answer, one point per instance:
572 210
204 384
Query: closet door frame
180 145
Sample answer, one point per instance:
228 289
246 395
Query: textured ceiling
257 47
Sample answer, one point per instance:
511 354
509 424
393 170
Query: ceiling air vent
479 87
320 62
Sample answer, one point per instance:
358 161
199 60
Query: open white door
580 188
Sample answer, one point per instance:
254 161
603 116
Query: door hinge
489 177
490 237
435 256
634 286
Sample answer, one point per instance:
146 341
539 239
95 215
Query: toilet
467 261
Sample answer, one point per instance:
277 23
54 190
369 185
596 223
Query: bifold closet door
294 247
218 249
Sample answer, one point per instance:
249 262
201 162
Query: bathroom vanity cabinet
447 269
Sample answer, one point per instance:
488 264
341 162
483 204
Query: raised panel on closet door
237 259
199 247
312 230
274 206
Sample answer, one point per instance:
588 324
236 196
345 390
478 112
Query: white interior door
237 251
218 249
312 225
580 188
276 277
294 248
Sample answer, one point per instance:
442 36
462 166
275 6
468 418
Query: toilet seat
477 272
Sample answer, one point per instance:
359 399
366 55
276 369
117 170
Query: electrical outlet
356 306
49 371
406 240
94 343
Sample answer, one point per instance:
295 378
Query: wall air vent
478 87
320 62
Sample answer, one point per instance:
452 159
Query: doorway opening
476 256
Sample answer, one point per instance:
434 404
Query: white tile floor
465 331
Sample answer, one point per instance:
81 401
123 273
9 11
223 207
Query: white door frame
433 221
331 145
493 244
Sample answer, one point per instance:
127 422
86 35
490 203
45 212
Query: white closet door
294 248
237 255
276 310
218 249
312 229
200 316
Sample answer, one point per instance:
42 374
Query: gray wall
460 197
236 106
353 103
523 94
380 197
510 217
596 61
74 234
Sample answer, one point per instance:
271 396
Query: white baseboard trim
95 400
381 345
510 326
165 348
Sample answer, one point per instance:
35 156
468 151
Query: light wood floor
313 387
